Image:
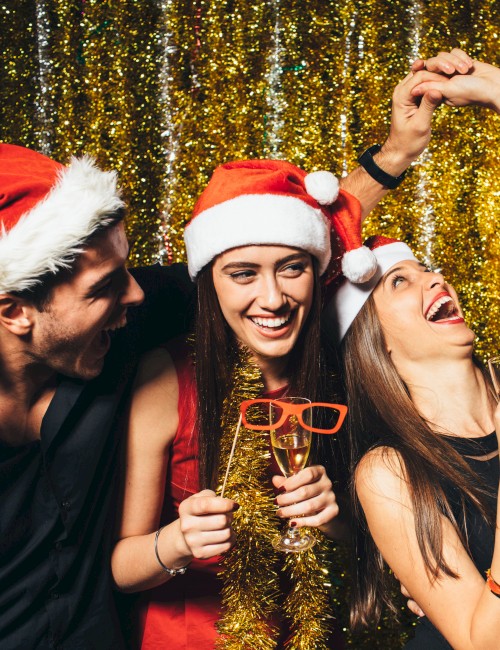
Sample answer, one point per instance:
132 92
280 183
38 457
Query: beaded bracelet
171 572
493 585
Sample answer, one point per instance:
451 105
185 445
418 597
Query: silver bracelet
171 572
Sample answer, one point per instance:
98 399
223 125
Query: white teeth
121 323
270 322
436 306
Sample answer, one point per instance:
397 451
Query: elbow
123 588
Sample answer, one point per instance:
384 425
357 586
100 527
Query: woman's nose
271 296
434 279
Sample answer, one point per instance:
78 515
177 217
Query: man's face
72 335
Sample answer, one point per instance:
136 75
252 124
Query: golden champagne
291 451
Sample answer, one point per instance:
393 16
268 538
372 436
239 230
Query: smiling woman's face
265 294
419 313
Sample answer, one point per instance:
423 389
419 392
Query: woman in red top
257 244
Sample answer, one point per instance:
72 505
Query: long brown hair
382 414
215 352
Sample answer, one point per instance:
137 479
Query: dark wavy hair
215 353
382 414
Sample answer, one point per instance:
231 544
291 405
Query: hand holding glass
290 422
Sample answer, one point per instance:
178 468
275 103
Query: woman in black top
423 455
424 429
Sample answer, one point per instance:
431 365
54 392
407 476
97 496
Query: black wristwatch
378 174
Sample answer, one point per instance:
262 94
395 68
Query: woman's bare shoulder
381 473
155 398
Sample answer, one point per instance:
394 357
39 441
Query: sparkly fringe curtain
165 90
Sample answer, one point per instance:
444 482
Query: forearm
367 190
495 101
134 564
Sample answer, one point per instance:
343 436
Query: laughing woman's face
419 313
265 294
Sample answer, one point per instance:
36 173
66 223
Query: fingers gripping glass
255 416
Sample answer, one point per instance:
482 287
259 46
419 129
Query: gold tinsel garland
251 593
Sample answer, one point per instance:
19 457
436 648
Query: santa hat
347 299
270 202
47 213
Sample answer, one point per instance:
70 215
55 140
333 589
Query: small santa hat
47 213
252 202
346 299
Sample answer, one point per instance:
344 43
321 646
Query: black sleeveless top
481 536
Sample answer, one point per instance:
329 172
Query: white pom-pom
359 265
322 186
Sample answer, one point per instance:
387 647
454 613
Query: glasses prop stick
238 427
281 409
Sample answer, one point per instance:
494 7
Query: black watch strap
378 174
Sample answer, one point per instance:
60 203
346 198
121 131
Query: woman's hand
412 605
205 523
447 63
463 81
307 498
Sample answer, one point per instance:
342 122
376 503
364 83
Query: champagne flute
494 366
291 444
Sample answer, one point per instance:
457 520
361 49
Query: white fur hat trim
50 236
257 219
350 298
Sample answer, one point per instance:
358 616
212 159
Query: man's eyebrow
98 283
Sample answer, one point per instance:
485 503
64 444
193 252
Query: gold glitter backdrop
165 90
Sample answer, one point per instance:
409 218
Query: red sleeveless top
181 614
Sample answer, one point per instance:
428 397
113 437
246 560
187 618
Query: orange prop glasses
287 409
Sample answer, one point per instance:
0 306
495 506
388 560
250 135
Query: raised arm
463 609
449 77
203 528
409 135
